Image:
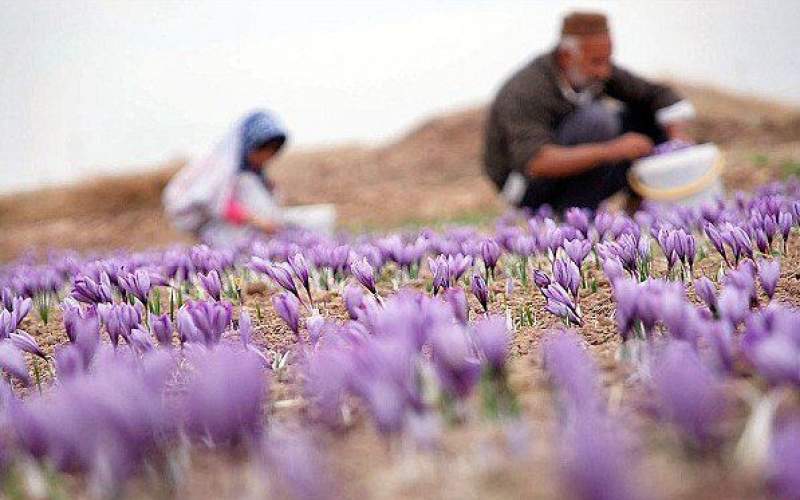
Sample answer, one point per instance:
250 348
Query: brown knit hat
584 23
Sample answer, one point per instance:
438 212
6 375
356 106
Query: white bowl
688 176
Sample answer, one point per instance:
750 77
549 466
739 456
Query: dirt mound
431 173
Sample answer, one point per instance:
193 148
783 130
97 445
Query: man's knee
591 123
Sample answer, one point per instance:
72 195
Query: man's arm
563 161
671 111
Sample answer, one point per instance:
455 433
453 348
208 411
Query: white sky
92 87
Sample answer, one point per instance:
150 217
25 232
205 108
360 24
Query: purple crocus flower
490 253
7 298
18 305
24 342
12 361
493 341
603 221
705 291
212 284
457 299
769 272
86 290
785 222
8 323
120 319
743 242
567 274
733 304
457 367
771 344
246 334
560 304
594 461
353 300
210 318
187 331
140 342
689 394
440 271
245 327
541 279
225 398
277 273
783 464
288 308
364 273
137 284
579 219
577 250
161 326
69 361
573 372
480 290
298 264
716 240
613 269
762 243
457 265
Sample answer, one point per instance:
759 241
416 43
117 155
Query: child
225 198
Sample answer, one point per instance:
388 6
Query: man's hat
584 23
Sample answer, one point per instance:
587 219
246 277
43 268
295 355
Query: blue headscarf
258 128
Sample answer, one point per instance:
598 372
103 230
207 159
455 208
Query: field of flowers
594 357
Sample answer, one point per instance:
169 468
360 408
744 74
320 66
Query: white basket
689 176
319 218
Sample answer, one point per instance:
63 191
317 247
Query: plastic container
688 176
319 218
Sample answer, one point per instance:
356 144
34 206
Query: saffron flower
457 299
120 319
364 273
288 308
298 264
480 290
86 290
137 284
493 341
13 363
457 367
490 253
689 394
24 342
211 284
161 326
353 300
279 274
769 272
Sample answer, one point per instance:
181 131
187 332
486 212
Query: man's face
591 65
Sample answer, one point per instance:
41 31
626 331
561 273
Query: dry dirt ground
431 174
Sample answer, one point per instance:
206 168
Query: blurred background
98 87
384 101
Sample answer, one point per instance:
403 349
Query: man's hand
629 146
678 131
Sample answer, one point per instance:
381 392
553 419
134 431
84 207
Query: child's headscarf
200 191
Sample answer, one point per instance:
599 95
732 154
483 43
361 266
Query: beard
581 82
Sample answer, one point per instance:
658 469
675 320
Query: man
553 136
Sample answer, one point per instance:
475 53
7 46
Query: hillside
431 173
